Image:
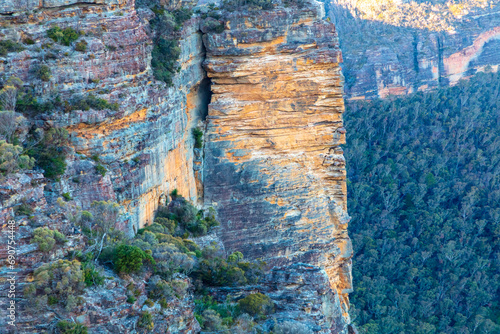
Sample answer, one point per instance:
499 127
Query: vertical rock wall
394 48
274 168
146 145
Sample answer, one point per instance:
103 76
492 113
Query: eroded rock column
274 168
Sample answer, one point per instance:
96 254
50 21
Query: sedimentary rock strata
274 169
398 48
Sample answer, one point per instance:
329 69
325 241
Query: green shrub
131 299
46 238
250 4
67 197
212 25
59 281
43 72
92 276
91 102
50 153
12 159
130 259
188 219
256 304
101 169
222 313
168 225
216 271
81 46
23 210
65 37
26 103
7 46
160 289
165 54
292 327
198 138
67 327
28 41
146 321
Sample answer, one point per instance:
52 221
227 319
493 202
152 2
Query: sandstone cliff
146 146
394 47
274 169
272 165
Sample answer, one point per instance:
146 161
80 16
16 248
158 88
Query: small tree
105 214
8 94
12 159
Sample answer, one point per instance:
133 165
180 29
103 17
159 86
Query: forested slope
424 195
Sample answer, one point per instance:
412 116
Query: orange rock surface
274 168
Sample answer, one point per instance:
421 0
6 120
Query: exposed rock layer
274 169
146 146
422 48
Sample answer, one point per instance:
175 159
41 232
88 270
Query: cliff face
146 146
271 166
274 169
393 48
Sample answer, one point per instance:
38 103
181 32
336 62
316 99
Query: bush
65 37
250 4
221 314
256 304
12 159
212 25
7 46
92 276
59 281
130 259
212 321
101 169
165 55
46 238
67 327
50 153
8 97
23 210
217 271
159 289
292 327
146 321
81 46
28 104
105 215
67 197
198 138
187 217
91 102
43 72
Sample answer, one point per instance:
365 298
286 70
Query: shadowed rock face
273 165
409 47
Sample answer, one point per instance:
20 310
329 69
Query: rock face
274 169
146 146
300 293
393 48
271 166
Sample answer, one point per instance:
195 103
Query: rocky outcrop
271 165
146 145
300 294
393 48
18 7
274 169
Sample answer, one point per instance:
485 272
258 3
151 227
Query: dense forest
424 196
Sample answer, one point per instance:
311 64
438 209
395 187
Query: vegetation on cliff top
424 195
